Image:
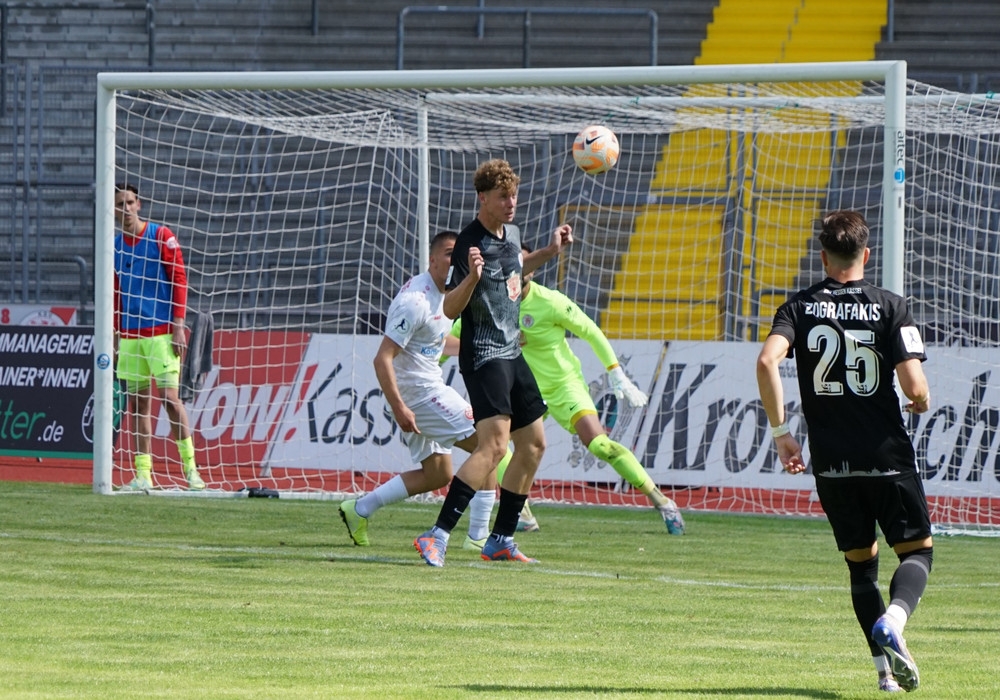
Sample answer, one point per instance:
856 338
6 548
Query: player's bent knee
531 445
922 554
862 554
496 455
903 548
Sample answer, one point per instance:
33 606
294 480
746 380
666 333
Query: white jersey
416 323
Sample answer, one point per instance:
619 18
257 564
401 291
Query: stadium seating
949 44
693 165
53 51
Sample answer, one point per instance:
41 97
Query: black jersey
490 320
847 339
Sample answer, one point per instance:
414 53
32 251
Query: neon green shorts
568 402
140 359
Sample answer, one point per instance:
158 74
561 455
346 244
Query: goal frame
891 73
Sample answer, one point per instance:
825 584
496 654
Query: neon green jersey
545 316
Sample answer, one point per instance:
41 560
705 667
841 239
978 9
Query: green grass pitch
127 597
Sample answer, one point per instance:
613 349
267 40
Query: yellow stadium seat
670 280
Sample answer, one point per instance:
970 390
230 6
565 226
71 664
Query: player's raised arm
582 326
457 299
561 237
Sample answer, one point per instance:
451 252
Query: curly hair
494 174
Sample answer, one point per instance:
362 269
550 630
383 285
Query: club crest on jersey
514 286
527 320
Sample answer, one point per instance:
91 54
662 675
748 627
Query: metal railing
84 288
527 13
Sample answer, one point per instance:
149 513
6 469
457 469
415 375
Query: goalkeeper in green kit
545 317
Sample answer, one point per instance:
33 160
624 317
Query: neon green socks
186 449
143 465
627 466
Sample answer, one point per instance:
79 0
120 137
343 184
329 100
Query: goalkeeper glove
624 388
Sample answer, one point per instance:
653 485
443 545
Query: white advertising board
704 425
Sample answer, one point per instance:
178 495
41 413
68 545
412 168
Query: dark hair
525 246
494 174
127 187
844 235
441 238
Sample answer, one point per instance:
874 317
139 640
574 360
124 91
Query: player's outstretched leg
628 467
357 526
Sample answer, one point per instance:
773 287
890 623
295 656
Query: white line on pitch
297 553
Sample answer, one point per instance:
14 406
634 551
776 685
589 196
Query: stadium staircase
705 186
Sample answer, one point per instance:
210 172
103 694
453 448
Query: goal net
303 201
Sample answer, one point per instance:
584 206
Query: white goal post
303 200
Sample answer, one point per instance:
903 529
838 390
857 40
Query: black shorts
854 504
505 388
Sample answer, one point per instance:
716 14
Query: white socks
392 491
897 615
480 509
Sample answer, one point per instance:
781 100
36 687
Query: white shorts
443 421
